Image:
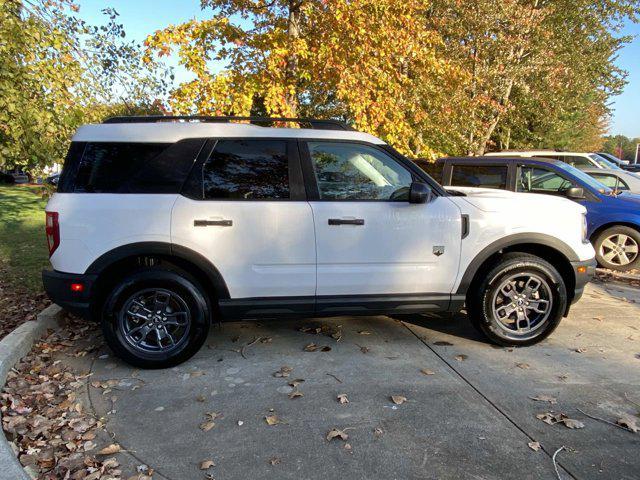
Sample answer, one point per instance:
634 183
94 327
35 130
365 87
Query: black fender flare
510 241
166 250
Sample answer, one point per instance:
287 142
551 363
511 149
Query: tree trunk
293 32
486 136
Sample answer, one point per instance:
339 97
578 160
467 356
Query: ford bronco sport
161 225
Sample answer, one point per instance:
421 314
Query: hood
494 200
626 199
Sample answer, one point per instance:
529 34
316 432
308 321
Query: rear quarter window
118 167
484 176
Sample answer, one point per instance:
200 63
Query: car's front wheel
520 300
617 248
156 318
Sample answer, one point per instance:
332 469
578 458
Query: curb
12 348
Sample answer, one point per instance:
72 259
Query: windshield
603 162
584 178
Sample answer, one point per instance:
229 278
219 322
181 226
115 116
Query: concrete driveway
472 418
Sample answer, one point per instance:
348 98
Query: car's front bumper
58 286
583 272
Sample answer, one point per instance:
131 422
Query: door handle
346 221
213 223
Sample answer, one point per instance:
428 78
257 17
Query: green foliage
621 146
57 72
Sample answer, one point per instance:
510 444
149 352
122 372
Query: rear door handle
346 221
213 223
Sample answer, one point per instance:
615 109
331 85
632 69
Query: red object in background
77 287
52 229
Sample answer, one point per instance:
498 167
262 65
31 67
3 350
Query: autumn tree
57 72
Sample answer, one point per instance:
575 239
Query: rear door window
610 181
541 180
247 170
485 176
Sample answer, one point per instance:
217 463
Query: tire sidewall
621 229
179 283
486 320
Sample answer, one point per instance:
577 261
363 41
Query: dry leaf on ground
206 464
110 449
272 420
461 357
342 398
545 398
535 446
628 422
296 382
442 343
426 371
552 418
378 432
284 372
206 426
296 394
364 332
398 399
274 461
336 433
524 366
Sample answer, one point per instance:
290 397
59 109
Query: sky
142 17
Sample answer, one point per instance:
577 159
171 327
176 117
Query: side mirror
419 193
574 193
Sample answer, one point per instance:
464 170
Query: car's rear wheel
519 302
156 318
618 248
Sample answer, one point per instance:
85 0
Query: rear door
247 214
370 240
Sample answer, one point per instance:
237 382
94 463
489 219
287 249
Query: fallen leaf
378 432
524 366
206 464
629 422
296 394
337 336
284 372
296 382
335 433
266 340
598 318
551 418
274 461
312 347
443 343
364 349
313 330
398 399
348 447
364 332
200 398
326 348
197 373
461 357
110 449
535 446
545 398
206 426
342 398
272 420
426 371
580 350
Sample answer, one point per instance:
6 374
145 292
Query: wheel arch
544 246
604 226
130 257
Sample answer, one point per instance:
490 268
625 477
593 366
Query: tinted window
247 170
347 171
485 176
540 180
109 167
610 181
578 162
434 169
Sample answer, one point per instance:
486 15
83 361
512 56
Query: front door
369 238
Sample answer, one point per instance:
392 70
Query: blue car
613 218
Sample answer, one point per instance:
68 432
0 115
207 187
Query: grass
23 246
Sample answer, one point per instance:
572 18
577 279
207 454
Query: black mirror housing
574 193
420 193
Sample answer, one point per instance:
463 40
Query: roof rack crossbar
319 124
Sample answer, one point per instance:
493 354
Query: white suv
162 225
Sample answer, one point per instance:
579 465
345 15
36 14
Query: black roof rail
318 124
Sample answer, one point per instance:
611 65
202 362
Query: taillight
52 228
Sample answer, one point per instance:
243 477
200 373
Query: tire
501 322
167 334
618 248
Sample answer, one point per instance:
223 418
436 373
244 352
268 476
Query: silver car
616 179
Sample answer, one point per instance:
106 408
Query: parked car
53 179
621 180
19 177
613 220
575 159
163 226
7 179
624 164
